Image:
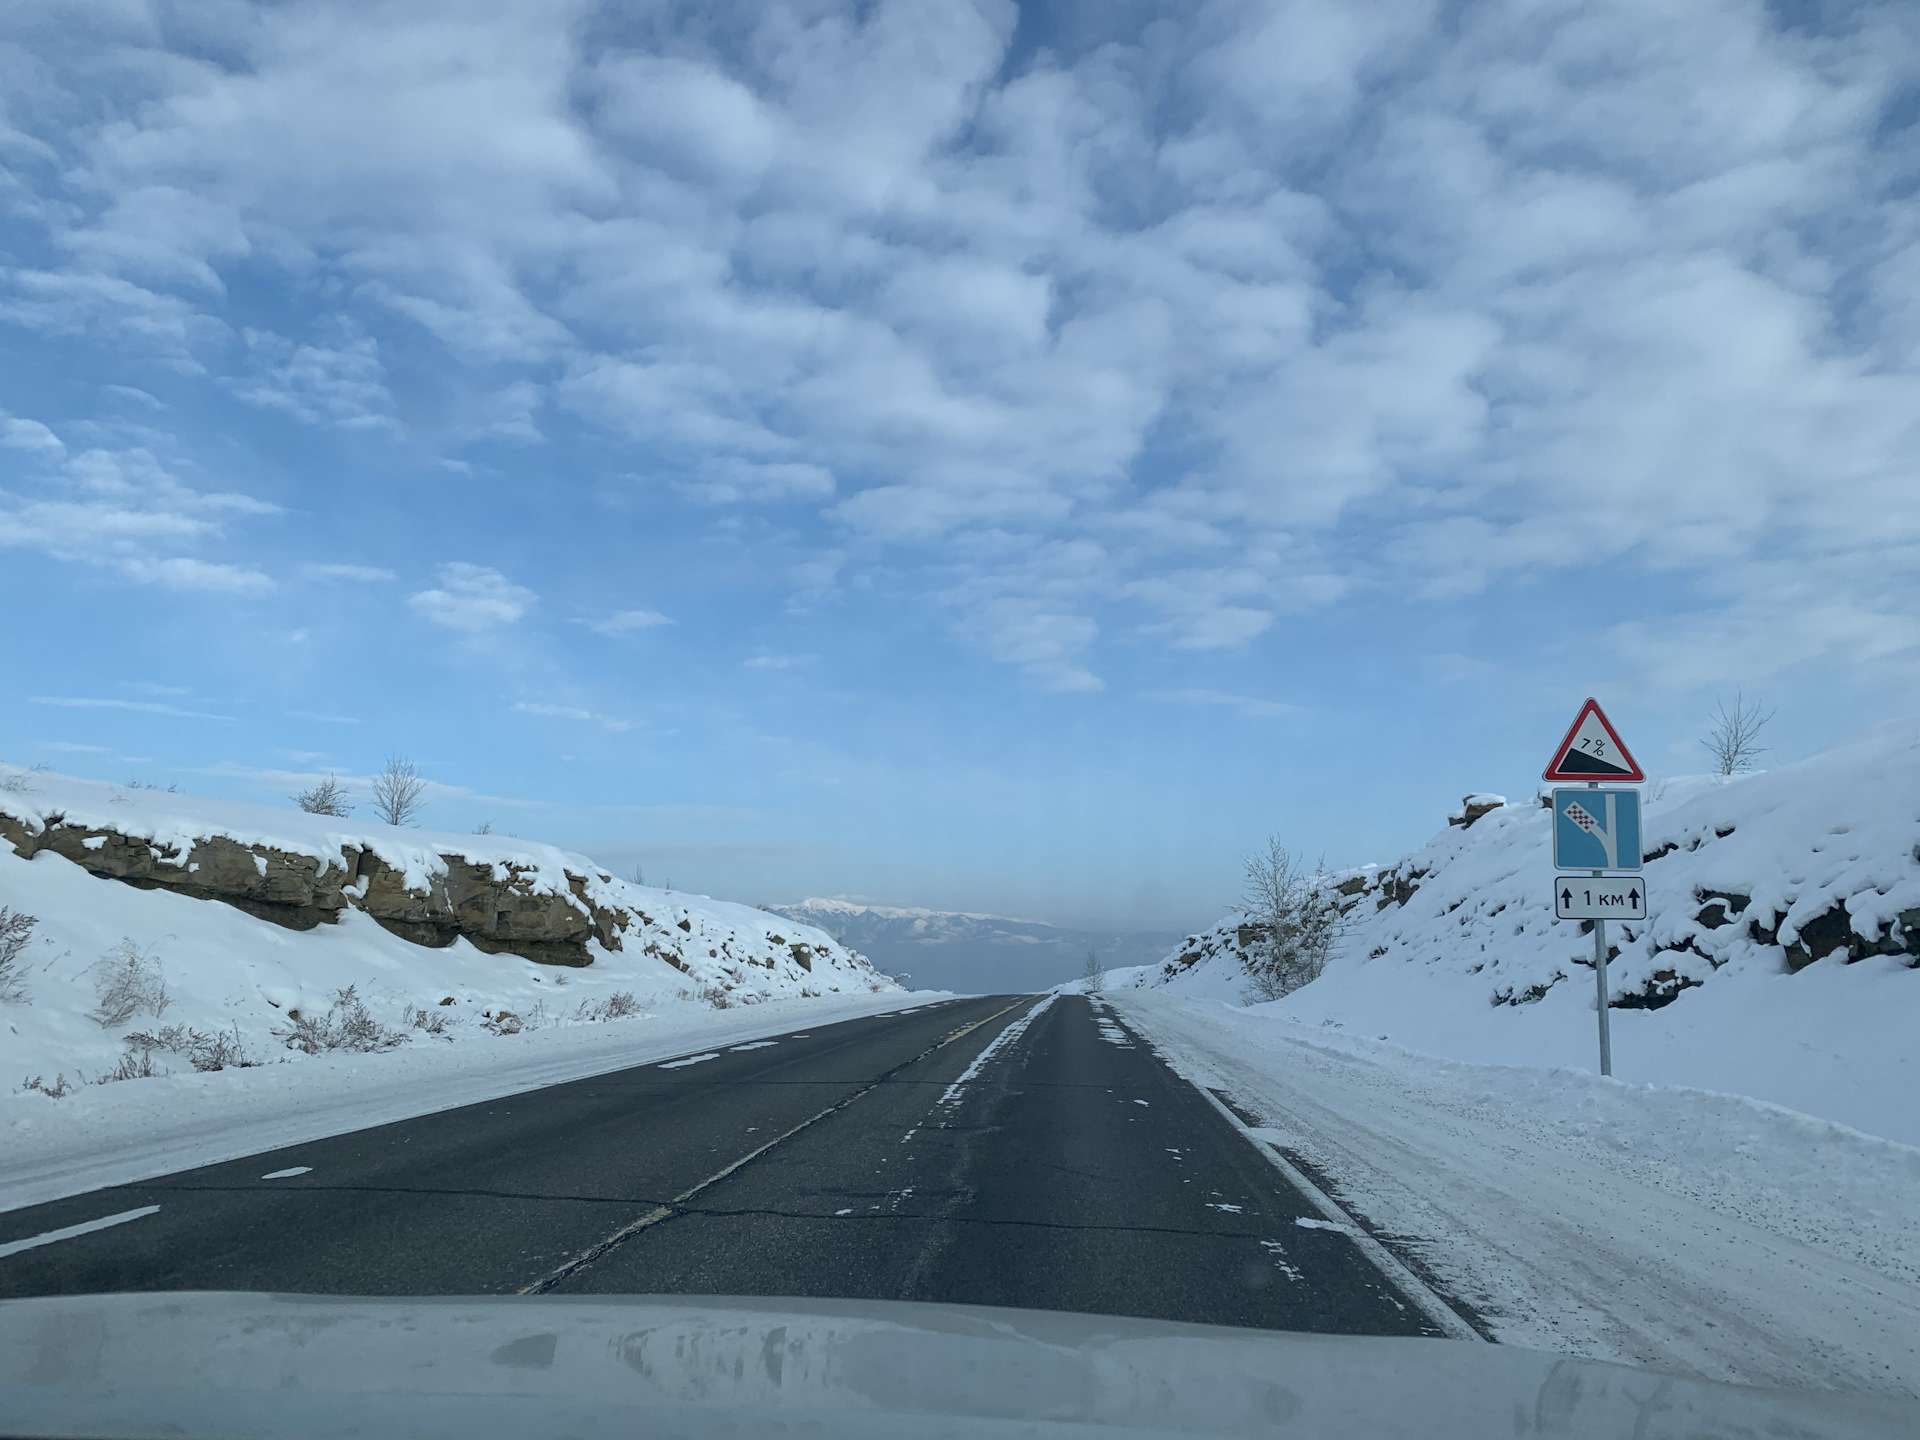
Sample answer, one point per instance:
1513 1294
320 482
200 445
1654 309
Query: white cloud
472 598
364 574
1247 705
625 622
121 510
1274 305
766 660
138 707
30 435
342 385
573 712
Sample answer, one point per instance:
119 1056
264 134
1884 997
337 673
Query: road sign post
1600 995
1597 830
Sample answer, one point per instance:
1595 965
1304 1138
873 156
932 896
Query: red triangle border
1553 772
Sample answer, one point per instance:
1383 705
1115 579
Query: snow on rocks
244 934
1777 959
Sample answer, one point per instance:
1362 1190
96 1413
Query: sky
987 456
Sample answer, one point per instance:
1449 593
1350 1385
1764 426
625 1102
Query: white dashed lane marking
690 1060
14 1247
288 1174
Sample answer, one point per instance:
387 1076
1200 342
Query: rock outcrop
497 907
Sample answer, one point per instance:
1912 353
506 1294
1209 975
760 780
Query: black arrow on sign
1633 896
1566 898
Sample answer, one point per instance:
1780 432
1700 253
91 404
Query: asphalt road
962 1152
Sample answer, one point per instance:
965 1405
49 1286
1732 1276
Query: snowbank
1711 1234
205 981
1776 960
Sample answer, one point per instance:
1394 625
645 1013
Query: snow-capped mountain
954 950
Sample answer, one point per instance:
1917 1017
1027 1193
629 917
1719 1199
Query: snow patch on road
1006 1037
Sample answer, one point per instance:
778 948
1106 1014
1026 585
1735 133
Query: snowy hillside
1777 959
954 950
172 934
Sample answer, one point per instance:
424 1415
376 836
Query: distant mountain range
952 950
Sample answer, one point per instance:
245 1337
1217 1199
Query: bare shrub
328 797
345 1026
61 1086
398 792
1734 736
134 1065
1295 921
502 1022
16 929
617 1006
1093 974
718 996
433 1022
128 982
222 1050
19 782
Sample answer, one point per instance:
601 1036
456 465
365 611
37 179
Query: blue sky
980 456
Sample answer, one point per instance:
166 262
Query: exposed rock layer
496 907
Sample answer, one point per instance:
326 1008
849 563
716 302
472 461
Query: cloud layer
1115 324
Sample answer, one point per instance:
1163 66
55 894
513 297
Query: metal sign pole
1600 984
1600 976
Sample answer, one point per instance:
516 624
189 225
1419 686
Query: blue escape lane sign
1596 829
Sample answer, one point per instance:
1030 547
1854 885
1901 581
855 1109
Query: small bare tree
398 792
1093 974
1733 739
1294 921
16 929
329 797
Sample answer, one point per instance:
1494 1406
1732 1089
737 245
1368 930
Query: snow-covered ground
1691 1231
1454 950
203 982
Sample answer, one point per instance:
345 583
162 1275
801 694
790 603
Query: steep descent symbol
1592 750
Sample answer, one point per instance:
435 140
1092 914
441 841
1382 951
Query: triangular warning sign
1592 751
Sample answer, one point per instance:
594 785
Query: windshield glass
1247 665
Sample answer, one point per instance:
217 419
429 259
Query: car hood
220 1364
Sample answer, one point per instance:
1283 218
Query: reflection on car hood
218 1365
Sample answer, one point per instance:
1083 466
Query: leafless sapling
1294 921
1733 736
399 794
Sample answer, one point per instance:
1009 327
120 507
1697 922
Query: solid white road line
14 1247
1384 1260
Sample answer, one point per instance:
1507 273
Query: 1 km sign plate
1581 897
